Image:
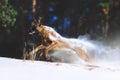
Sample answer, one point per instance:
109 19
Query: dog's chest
46 41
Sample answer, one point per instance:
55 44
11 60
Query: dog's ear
39 21
34 22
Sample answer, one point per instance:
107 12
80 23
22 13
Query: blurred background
98 18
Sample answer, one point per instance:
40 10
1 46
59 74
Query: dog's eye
31 29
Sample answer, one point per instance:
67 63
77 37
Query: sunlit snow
13 69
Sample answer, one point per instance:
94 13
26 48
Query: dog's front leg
33 52
53 45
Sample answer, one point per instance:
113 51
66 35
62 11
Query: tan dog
52 40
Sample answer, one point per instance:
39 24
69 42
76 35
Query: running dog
52 40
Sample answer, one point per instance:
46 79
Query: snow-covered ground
14 69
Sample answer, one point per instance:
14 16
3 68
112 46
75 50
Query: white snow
14 69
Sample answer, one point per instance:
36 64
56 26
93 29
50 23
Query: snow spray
97 50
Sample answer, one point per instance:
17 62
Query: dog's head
37 27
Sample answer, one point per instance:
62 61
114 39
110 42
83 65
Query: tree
7 14
105 6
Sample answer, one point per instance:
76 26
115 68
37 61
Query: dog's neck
48 32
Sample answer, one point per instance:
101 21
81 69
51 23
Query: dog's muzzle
32 31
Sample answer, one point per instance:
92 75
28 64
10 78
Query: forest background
98 18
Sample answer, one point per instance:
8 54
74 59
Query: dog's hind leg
83 53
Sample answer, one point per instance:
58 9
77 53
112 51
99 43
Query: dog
52 40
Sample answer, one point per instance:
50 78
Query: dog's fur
52 40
